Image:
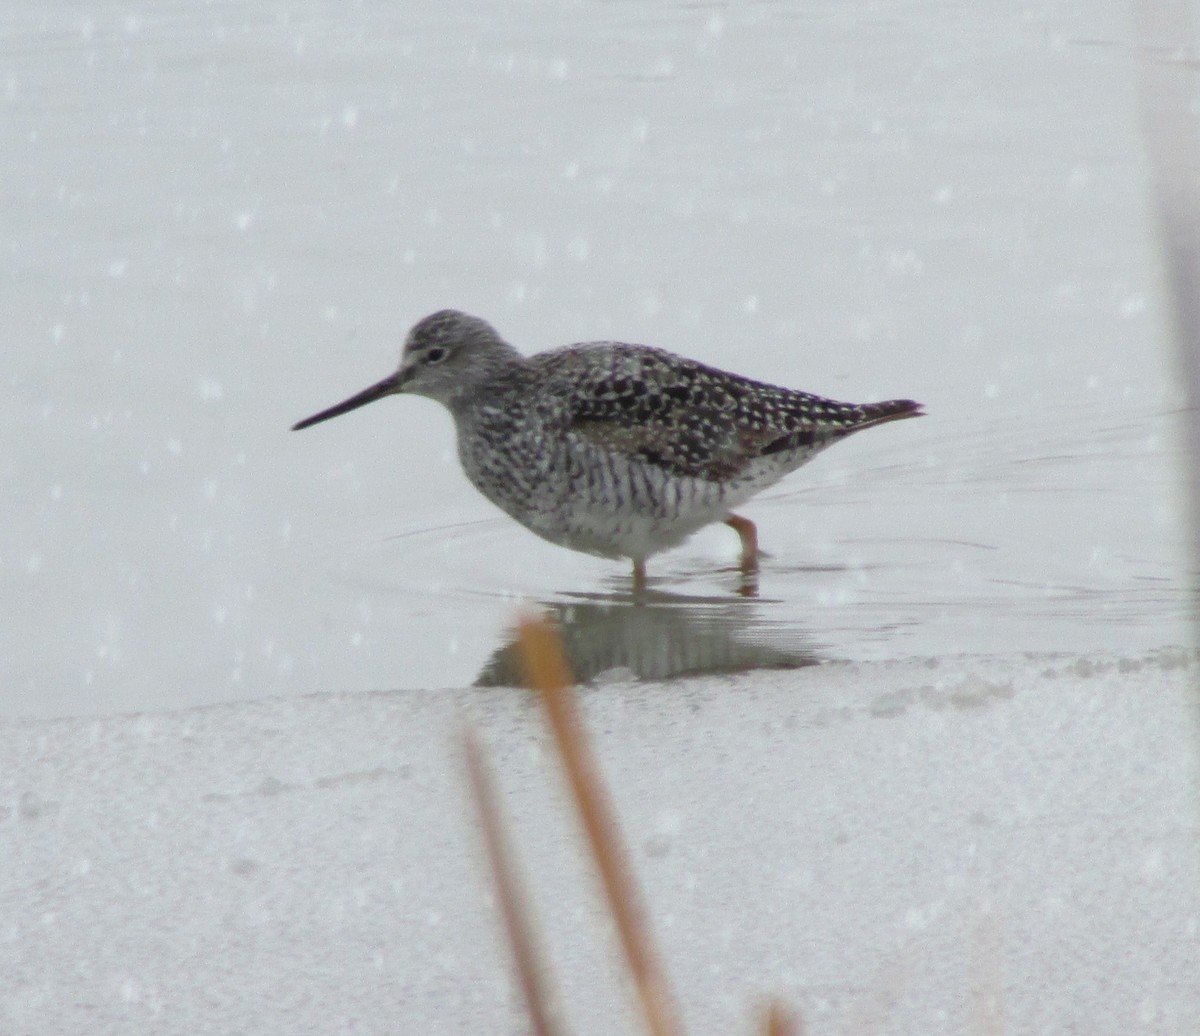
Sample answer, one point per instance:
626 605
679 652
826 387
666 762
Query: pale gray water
216 220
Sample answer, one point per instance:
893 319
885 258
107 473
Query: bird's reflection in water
658 636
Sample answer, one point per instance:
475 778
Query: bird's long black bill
380 389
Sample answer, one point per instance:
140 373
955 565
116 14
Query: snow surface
884 845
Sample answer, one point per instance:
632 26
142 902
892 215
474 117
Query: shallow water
217 220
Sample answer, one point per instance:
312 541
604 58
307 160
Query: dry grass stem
531 970
782 1022
986 1006
1167 87
547 671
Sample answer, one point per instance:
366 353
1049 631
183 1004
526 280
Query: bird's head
446 356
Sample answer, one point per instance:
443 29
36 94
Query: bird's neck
492 369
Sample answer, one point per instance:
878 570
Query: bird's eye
435 355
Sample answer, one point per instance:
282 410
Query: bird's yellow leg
748 534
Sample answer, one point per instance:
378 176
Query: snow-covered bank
872 841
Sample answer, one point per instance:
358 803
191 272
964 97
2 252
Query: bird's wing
679 415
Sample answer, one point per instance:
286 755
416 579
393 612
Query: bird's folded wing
690 426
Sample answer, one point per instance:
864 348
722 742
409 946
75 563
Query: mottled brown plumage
615 449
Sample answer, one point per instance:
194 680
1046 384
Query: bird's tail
888 410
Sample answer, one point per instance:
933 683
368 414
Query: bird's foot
639 577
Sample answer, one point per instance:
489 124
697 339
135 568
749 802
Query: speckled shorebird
613 449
